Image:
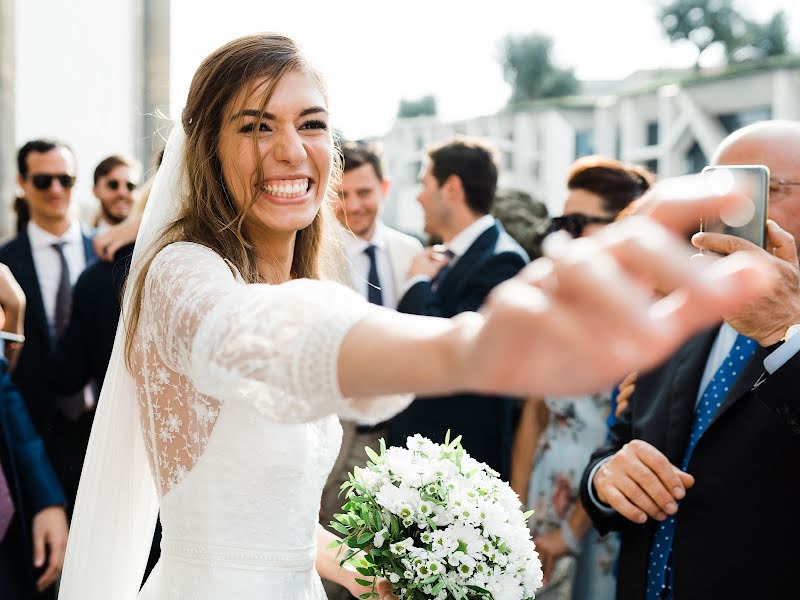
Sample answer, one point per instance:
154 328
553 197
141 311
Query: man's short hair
38 145
473 161
112 162
357 154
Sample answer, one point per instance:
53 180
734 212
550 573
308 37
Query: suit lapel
29 281
691 360
744 382
88 248
467 261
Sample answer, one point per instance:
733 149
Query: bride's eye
262 128
314 124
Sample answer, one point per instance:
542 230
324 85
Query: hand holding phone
749 220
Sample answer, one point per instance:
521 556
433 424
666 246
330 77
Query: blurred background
659 83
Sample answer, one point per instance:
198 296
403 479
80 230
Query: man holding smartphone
700 474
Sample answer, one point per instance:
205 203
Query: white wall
75 73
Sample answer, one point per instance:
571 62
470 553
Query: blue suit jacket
33 485
484 421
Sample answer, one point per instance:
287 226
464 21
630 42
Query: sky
373 53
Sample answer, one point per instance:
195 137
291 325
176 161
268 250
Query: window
652 133
652 165
695 159
733 121
508 161
584 142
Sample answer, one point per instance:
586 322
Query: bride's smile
283 146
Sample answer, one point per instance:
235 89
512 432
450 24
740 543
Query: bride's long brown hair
207 215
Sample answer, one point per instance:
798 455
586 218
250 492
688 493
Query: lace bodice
238 394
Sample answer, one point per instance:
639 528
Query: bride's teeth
289 188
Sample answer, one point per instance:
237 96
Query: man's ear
386 185
453 188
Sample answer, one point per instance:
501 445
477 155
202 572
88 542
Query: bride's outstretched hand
597 308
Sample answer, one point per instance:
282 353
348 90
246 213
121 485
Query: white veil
117 504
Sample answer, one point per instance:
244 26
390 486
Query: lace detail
206 339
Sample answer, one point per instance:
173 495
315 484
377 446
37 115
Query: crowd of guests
676 484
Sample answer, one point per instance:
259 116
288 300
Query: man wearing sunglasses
116 180
46 259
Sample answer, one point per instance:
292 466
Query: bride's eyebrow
249 112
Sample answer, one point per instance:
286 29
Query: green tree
703 23
706 23
762 40
528 67
426 105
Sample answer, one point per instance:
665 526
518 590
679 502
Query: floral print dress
576 427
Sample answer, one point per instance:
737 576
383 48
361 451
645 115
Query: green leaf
340 528
365 571
364 582
372 456
334 544
365 537
527 515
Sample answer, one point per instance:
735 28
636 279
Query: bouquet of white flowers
437 524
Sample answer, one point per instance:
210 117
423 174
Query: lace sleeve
274 346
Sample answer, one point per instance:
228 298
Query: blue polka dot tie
659 571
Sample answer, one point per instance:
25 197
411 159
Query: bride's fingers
731 283
679 203
584 275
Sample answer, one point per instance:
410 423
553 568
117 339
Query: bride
235 358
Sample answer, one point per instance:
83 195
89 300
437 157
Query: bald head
775 144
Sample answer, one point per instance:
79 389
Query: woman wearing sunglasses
558 435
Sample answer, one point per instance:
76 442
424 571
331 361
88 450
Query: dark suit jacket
738 527
63 437
83 351
33 485
484 421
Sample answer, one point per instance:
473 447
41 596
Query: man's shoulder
508 245
395 236
12 247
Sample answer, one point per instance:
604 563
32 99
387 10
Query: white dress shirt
459 245
48 270
48 263
358 263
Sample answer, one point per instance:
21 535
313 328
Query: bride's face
294 150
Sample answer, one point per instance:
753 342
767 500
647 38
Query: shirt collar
354 245
43 239
467 236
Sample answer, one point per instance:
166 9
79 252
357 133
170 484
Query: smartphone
749 221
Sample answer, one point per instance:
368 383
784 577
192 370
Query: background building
668 121
114 54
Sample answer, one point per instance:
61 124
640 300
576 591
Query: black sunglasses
113 185
43 182
574 223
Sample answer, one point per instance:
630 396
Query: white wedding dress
238 397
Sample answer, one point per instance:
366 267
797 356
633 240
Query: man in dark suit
457 190
46 259
701 473
84 350
33 524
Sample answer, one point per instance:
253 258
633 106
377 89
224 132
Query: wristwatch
791 331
